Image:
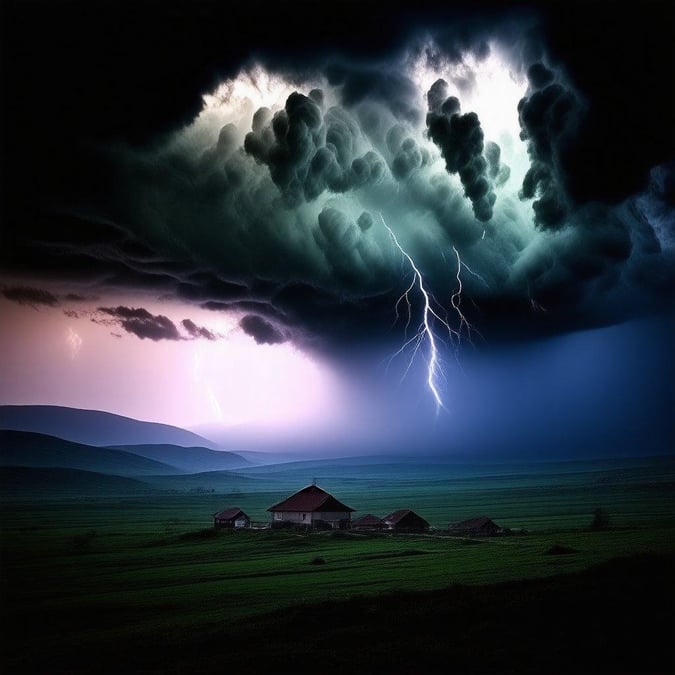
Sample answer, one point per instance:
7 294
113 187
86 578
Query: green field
112 580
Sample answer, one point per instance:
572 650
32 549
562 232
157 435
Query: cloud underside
143 324
28 295
262 331
275 211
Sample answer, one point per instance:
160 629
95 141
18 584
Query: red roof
368 520
309 499
229 514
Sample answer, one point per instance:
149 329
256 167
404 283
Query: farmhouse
368 522
233 517
405 520
312 507
476 527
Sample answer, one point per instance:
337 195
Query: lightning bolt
431 319
534 305
456 297
74 343
200 380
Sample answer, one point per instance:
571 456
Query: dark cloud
76 297
460 140
143 324
284 222
92 251
260 307
196 331
308 152
593 250
27 295
287 142
547 118
261 330
539 75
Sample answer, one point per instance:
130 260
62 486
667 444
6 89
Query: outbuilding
231 518
481 526
405 520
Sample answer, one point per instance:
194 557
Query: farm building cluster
314 508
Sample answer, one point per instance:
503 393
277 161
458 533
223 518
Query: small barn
313 507
231 518
405 520
368 522
476 527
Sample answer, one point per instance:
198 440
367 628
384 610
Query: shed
368 522
405 520
481 526
312 507
231 518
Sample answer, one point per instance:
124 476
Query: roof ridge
310 498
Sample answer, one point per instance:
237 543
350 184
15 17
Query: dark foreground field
616 617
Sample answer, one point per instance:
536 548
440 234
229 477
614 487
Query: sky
435 228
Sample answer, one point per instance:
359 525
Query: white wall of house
300 517
330 516
308 517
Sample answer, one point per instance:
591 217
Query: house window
304 515
277 515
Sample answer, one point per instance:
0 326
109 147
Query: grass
105 578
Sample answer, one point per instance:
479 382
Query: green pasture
97 573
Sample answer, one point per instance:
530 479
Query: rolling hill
94 427
27 449
190 460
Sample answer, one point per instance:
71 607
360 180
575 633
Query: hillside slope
191 460
27 449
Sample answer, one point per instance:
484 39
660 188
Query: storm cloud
196 331
309 152
546 118
261 330
268 197
27 295
460 140
143 324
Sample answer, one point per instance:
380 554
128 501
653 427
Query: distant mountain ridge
95 427
28 449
